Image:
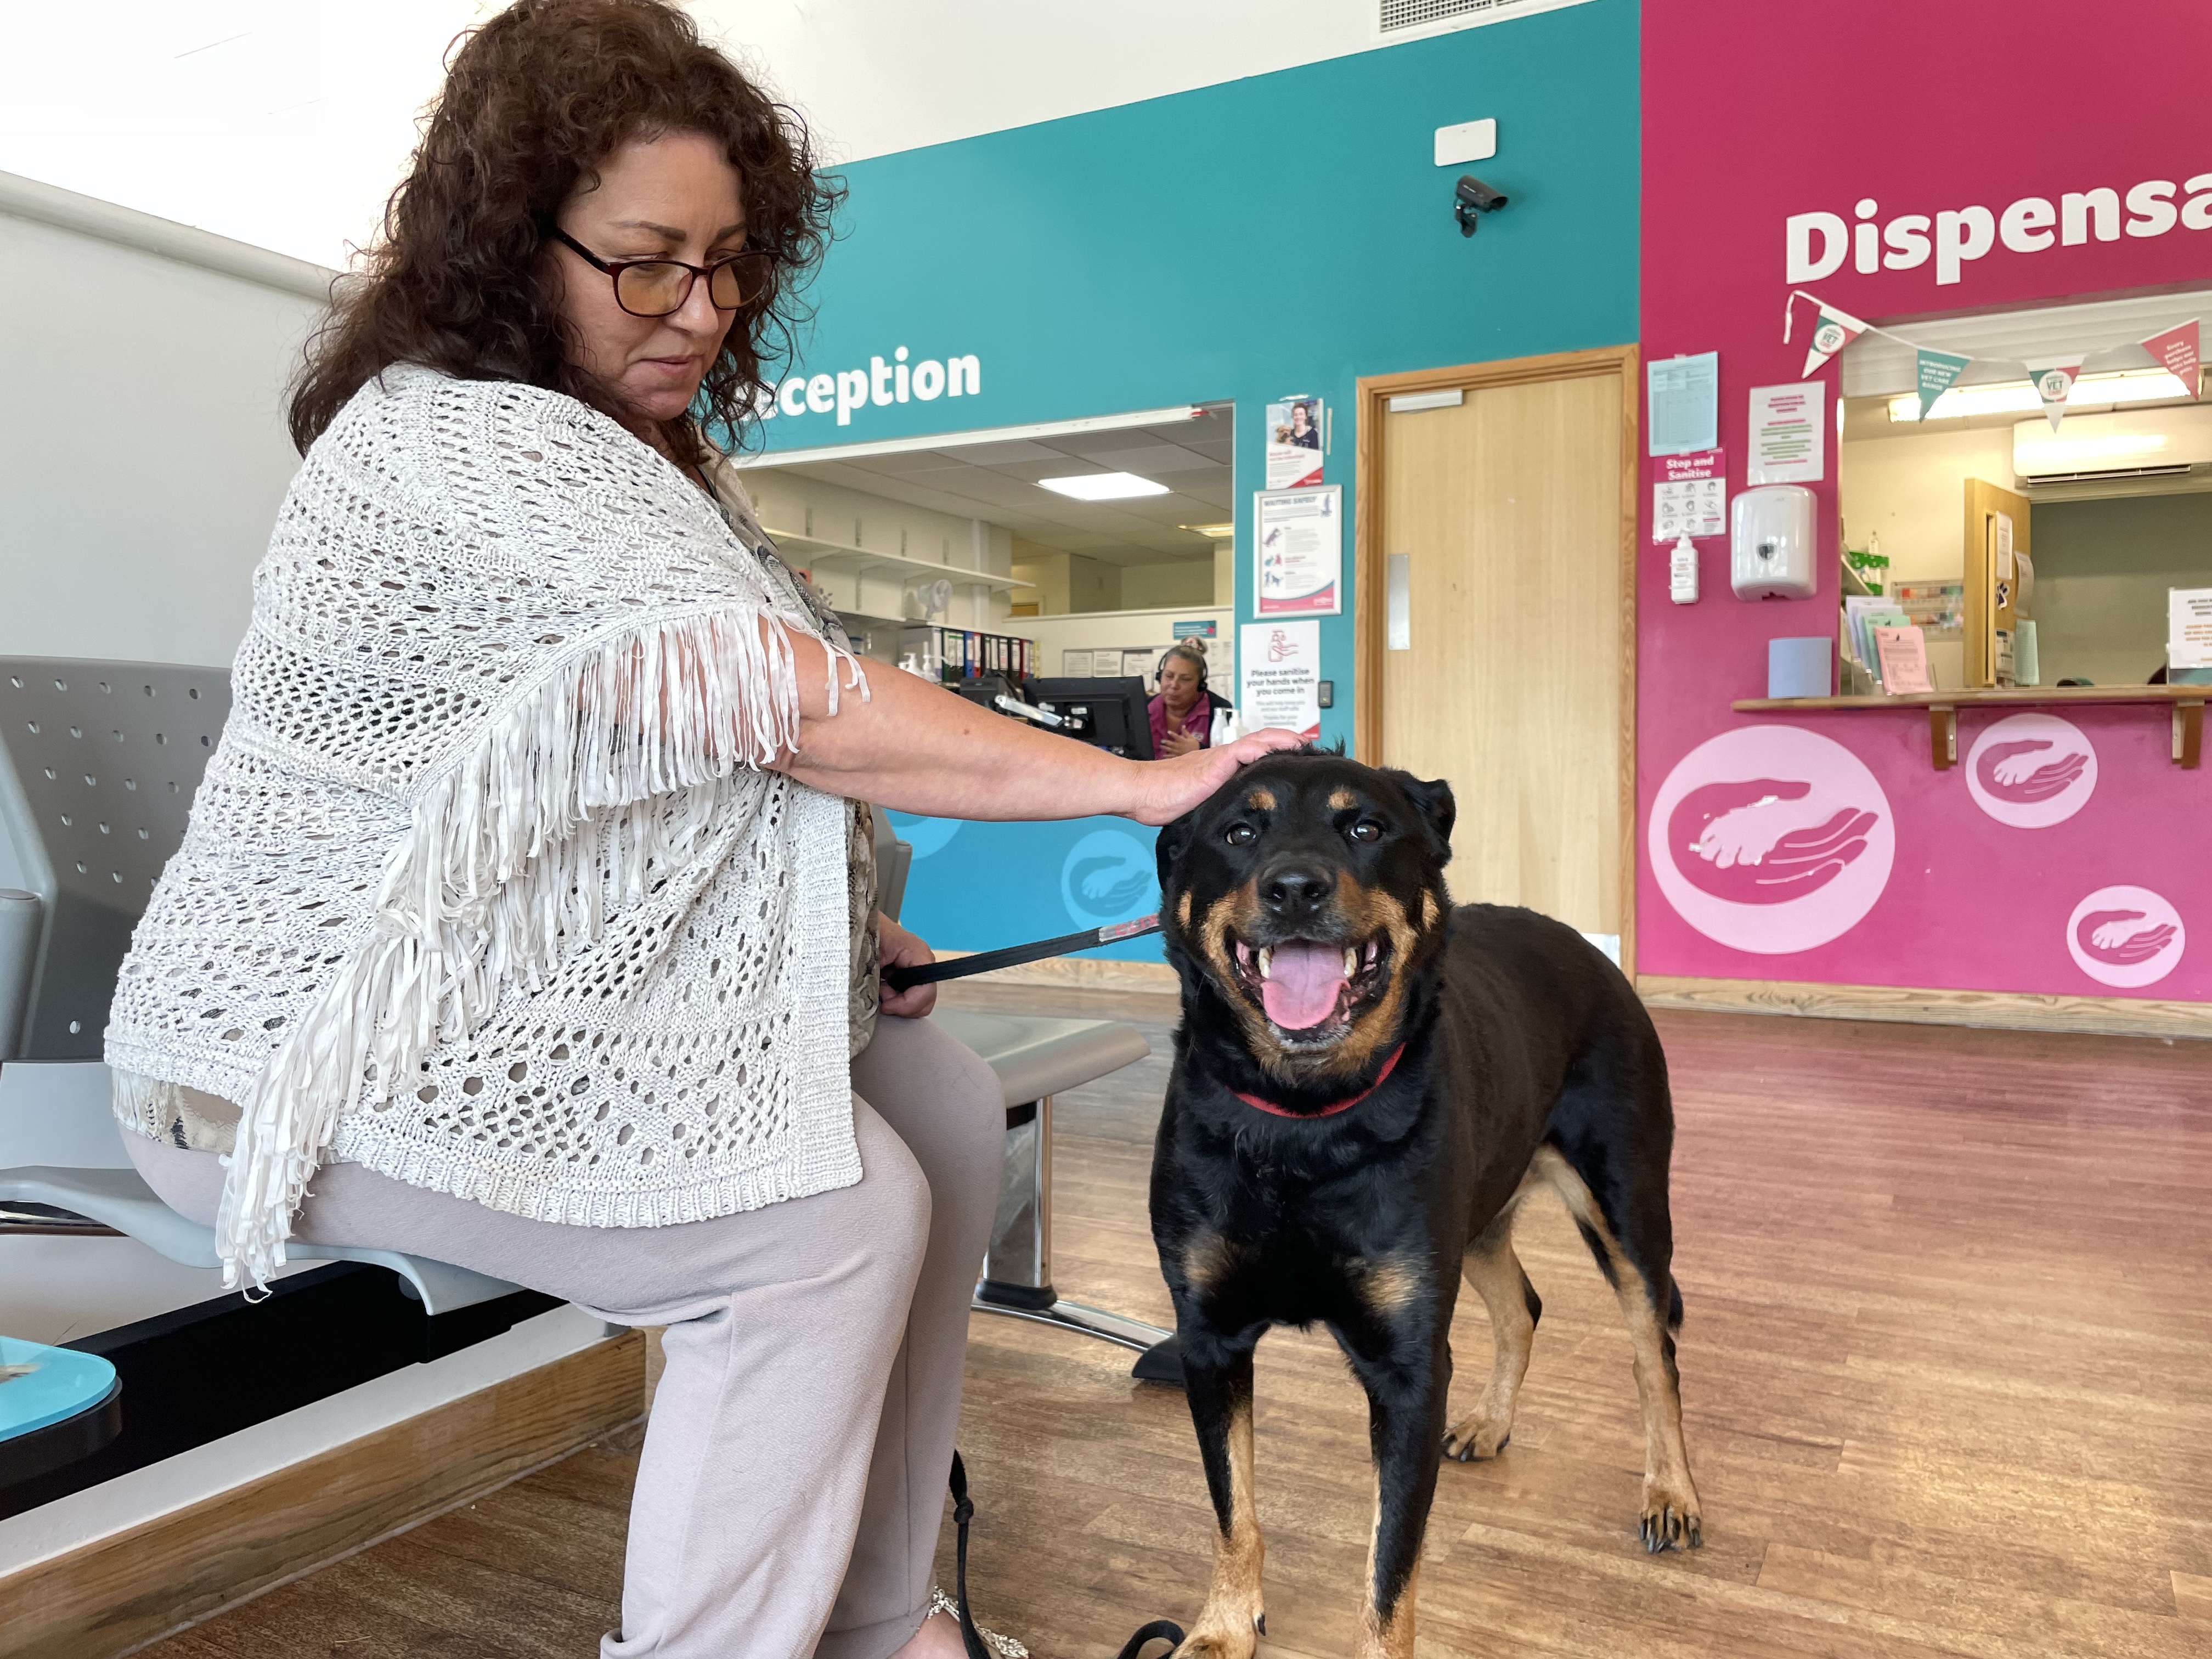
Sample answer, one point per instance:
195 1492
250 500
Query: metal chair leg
1018 1269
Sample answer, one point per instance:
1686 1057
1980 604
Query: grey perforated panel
99 762
1394 16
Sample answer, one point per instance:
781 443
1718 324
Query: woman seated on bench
524 919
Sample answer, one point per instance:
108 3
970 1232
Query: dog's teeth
1264 959
1351 960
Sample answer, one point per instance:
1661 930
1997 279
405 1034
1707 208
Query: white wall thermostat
1469 140
1770 543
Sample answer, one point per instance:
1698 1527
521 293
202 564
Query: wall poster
1788 433
1689 496
1684 393
1297 551
1296 443
1279 678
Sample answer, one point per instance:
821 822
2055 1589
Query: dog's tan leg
1228 1627
1387 1632
1407 1371
1671 1514
1496 1274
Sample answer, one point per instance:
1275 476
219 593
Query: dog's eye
1365 830
1240 835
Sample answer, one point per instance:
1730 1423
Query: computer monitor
984 690
1112 714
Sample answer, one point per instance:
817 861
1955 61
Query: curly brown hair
532 100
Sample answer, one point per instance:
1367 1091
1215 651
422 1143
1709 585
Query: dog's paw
1671 1520
1476 1437
1210 1641
1215 1644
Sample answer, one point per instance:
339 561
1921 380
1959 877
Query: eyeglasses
659 287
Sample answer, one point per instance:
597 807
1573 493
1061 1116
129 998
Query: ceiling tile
998 454
997 481
1156 457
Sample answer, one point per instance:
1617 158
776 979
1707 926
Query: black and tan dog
1367 1083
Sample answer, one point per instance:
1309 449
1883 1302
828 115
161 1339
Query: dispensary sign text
1817 245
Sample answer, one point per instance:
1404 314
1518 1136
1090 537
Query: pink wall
1892 873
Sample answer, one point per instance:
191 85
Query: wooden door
1511 671
1997 540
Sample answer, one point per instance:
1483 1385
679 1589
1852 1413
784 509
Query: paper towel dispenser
1770 543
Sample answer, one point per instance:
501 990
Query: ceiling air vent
1406 20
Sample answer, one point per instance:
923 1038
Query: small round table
56 1406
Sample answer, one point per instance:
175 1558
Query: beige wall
1092 584
792 506
2102 569
1912 490
143 452
1149 586
1069 583
1047 570
1148 631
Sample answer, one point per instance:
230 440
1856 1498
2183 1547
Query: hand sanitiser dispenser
1770 543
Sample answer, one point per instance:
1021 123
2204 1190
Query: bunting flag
2053 378
1934 373
1832 332
2175 350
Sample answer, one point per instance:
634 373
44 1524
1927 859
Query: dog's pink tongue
1302 984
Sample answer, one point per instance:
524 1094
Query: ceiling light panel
1102 486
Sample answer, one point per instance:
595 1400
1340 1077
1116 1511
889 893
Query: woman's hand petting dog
1168 788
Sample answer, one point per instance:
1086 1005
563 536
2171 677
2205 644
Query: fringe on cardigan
501 869
151 1106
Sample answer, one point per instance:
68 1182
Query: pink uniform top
1198 721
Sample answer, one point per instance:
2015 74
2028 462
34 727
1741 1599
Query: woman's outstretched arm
915 747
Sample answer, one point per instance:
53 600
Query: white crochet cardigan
485 888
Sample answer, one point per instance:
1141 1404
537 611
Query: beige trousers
793 1481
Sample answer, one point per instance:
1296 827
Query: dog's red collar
1269 1106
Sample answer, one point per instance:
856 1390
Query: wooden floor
1946 1372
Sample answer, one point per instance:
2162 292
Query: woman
521 910
1182 713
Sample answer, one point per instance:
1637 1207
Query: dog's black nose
1296 892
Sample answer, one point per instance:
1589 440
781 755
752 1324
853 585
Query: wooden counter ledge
2187 703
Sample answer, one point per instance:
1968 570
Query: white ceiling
997 481
286 123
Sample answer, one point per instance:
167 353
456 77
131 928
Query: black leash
983 962
963 1511
1160 1630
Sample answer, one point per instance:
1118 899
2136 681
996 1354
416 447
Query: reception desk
977 886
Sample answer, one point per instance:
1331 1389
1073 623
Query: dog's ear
1434 802
1174 839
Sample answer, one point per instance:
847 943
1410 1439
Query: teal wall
1284 234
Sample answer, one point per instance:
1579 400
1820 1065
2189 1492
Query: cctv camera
1474 197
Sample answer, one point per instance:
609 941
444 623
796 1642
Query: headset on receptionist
1182 713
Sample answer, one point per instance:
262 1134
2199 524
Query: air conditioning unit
2136 443
1393 21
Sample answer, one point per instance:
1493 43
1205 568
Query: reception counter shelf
2184 703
